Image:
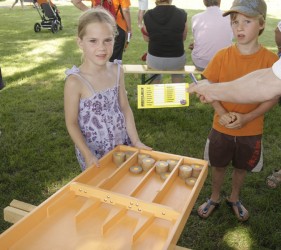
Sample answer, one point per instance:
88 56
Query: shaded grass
37 155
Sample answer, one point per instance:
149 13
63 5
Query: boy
237 128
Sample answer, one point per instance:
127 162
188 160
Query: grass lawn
37 156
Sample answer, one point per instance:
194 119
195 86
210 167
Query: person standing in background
143 7
123 20
2 84
278 38
211 32
16 1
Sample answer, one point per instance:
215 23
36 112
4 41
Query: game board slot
149 187
114 215
123 181
154 236
90 205
143 223
64 199
175 193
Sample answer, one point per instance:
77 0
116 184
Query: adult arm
145 34
185 31
127 17
79 5
278 37
258 86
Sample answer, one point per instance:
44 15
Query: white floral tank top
100 119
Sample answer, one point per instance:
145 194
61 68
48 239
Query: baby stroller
49 15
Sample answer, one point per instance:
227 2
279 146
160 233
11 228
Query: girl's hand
238 122
91 160
140 145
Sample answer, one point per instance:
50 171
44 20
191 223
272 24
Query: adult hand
201 89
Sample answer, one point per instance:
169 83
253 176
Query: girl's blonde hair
260 18
95 15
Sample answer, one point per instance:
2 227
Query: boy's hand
225 119
238 122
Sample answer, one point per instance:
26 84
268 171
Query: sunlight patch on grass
239 238
53 187
38 53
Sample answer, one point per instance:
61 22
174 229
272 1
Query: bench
143 70
18 209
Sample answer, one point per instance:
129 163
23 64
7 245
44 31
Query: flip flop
205 210
274 180
238 209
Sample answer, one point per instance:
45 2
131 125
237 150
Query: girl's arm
72 93
129 117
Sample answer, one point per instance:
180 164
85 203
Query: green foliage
37 156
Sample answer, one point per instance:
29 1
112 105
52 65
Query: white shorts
143 4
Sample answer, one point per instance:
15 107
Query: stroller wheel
37 27
54 27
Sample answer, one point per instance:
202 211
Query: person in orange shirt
123 20
237 130
254 91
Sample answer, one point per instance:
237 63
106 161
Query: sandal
239 210
205 210
274 180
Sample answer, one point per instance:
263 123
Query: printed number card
169 95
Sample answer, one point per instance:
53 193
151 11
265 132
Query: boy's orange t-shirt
227 65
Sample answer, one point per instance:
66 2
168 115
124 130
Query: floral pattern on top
100 119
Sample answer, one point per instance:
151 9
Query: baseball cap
249 8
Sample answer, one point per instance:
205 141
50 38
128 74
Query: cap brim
245 12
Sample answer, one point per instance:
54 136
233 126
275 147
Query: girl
97 112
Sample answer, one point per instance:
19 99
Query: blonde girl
97 112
